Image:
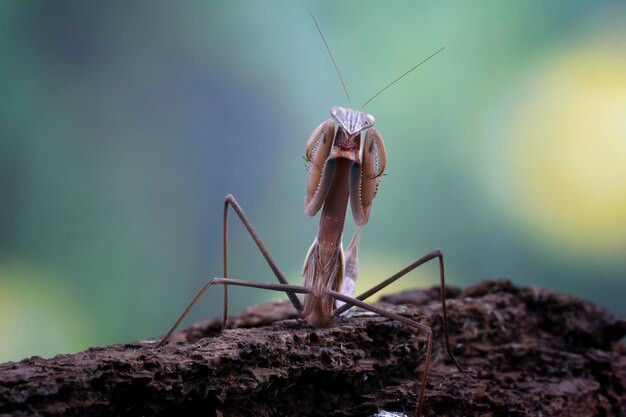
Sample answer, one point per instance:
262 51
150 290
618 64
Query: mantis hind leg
350 302
288 289
436 254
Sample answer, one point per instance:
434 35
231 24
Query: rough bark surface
530 352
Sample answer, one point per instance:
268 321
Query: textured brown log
531 352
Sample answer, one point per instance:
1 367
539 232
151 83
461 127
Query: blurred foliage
124 124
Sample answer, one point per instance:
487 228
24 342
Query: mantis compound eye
338 113
369 120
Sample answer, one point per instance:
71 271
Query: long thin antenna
400 77
333 59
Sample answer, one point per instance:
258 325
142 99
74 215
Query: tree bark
529 352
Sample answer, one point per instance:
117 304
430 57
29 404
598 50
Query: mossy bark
530 352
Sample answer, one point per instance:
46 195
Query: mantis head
352 121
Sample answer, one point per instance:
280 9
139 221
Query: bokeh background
124 124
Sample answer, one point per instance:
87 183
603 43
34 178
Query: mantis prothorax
347 159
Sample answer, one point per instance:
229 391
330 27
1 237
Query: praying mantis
346 160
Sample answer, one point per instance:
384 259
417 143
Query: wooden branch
531 352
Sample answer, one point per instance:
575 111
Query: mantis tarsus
343 166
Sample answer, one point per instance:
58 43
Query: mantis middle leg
230 201
437 254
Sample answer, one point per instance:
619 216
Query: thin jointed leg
289 289
284 284
231 201
442 282
429 334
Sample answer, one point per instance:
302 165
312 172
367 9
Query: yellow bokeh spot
568 151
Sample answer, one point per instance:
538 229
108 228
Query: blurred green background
124 124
